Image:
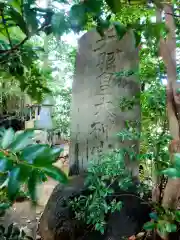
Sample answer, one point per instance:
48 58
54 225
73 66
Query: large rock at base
57 221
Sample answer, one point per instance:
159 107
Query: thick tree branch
14 47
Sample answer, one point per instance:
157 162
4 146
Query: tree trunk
168 53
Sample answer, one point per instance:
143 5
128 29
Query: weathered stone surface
57 220
96 92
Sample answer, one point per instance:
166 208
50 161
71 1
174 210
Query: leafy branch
21 162
101 179
7 32
17 46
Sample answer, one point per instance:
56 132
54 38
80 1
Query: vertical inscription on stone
101 60
104 107
110 61
98 116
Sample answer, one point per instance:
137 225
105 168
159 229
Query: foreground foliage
24 163
102 180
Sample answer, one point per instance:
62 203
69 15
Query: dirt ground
23 215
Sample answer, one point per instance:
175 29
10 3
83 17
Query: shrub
103 179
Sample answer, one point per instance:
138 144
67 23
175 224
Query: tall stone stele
97 90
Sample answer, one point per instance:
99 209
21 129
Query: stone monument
96 115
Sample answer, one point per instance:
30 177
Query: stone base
58 223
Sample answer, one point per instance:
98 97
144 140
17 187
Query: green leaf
30 153
77 17
13 183
21 141
42 177
137 36
119 205
32 182
2 131
7 138
102 25
177 160
102 230
16 16
100 31
177 215
5 164
100 227
63 1
121 30
3 179
114 5
25 171
153 216
93 7
171 227
47 157
31 18
149 226
55 153
56 174
171 172
15 4
59 23
178 91
4 206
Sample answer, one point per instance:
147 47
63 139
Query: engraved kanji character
110 61
105 80
101 61
97 128
100 44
